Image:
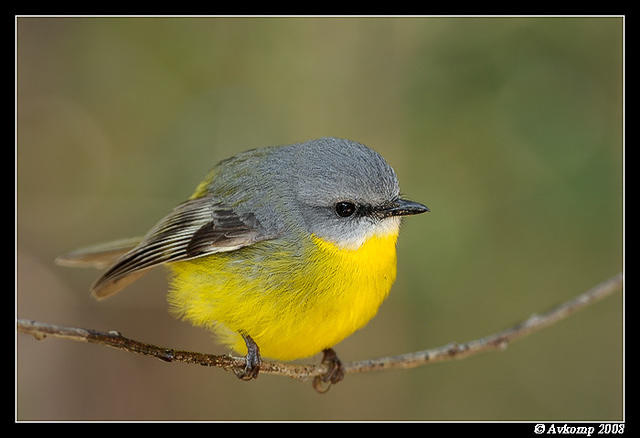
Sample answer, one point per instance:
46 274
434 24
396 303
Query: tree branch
498 341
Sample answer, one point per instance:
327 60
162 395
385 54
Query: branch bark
497 341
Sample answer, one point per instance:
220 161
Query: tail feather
98 256
103 289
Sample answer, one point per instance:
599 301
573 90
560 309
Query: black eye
345 208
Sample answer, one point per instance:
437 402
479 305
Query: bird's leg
333 376
252 360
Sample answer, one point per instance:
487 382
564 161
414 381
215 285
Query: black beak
401 207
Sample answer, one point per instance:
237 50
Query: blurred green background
509 129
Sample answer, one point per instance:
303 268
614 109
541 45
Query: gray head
337 189
345 191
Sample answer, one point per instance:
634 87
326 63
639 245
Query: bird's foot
331 377
252 360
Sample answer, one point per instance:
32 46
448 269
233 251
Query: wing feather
195 228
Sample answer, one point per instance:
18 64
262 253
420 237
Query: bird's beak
401 207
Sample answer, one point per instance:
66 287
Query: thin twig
496 341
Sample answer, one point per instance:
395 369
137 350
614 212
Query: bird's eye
345 208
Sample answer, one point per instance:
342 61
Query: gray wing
195 228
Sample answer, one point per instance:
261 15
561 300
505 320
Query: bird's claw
252 361
331 377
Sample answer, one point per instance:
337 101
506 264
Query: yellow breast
292 303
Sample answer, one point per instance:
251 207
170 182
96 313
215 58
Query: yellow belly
292 303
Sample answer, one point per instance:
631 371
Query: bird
281 251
